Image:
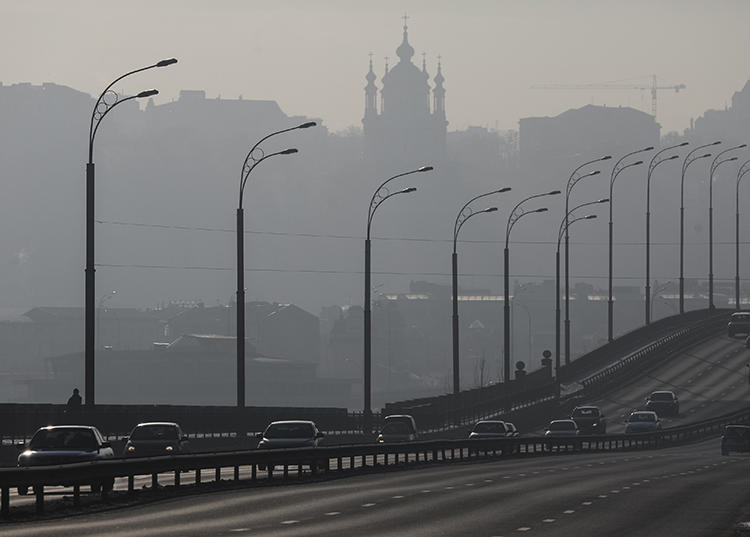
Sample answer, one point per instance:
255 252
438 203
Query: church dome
405 51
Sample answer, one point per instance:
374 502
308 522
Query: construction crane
653 87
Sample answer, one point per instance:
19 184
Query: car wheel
23 491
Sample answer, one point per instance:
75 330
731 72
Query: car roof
644 412
399 416
663 391
490 421
52 427
586 406
308 422
737 426
157 423
562 421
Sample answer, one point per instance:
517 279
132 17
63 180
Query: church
409 126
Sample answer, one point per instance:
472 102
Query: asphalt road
687 491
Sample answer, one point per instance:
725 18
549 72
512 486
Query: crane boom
653 87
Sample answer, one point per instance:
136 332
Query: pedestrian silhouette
74 401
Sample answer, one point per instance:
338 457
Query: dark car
290 434
664 403
155 438
561 428
512 430
589 419
739 323
398 428
642 421
490 429
61 444
735 438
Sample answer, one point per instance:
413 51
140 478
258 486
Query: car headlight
131 449
594 424
168 448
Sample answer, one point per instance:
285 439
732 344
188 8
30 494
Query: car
642 421
589 419
739 323
290 434
62 444
735 438
664 403
155 438
512 431
561 428
490 429
398 428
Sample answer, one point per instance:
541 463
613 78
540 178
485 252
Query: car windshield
64 439
289 430
397 427
562 426
586 413
155 432
741 317
662 396
642 416
489 427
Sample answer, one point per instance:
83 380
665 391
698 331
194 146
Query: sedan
735 438
155 438
290 434
61 444
561 428
490 429
642 421
663 403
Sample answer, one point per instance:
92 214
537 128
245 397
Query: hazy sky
311 55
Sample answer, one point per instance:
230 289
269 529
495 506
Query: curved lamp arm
377 198
715 163
564 228
460 224
147 93
255 163
461 213
380 202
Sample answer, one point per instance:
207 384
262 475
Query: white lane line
602 495
568 512
586 503
488 480
425 491
468 484
548 520
332 513
523 528
239 530
397 497
625 488
615 491
287 522
448 488
368 504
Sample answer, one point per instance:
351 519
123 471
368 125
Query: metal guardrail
337 460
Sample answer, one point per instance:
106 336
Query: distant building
410 123
731 125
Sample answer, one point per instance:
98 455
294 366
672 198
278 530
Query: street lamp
464 214
563 231
743 170
655 161
106 102
255 156
515 215
564 225
616 170
378 197
572 181
689 159
714 166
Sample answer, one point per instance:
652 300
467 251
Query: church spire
405 51
371 92
439 92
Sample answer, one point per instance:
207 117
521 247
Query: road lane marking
238 530
548 520
368 504
568 512
397 497
287 522
523 528
586 503
602 495
333 513
425 491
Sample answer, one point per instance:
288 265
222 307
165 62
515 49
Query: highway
690 490
681 491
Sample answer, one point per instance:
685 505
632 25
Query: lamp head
741 146
717 142
425 169
541 210
490 210
407 190
607 157
504 189
638 163
589 217
147 93
730 159
552 193
683 144
650 148
289 151
706 155
673 157
307 125
603 200
164 63
595 172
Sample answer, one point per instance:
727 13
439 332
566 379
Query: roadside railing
301 463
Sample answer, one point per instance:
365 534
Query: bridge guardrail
341 459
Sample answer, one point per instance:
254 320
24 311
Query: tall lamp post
714 166
655 161
563 232
515 215
104 104
464 214
572 181
689 159
744 169
255 156
618 168
378 197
